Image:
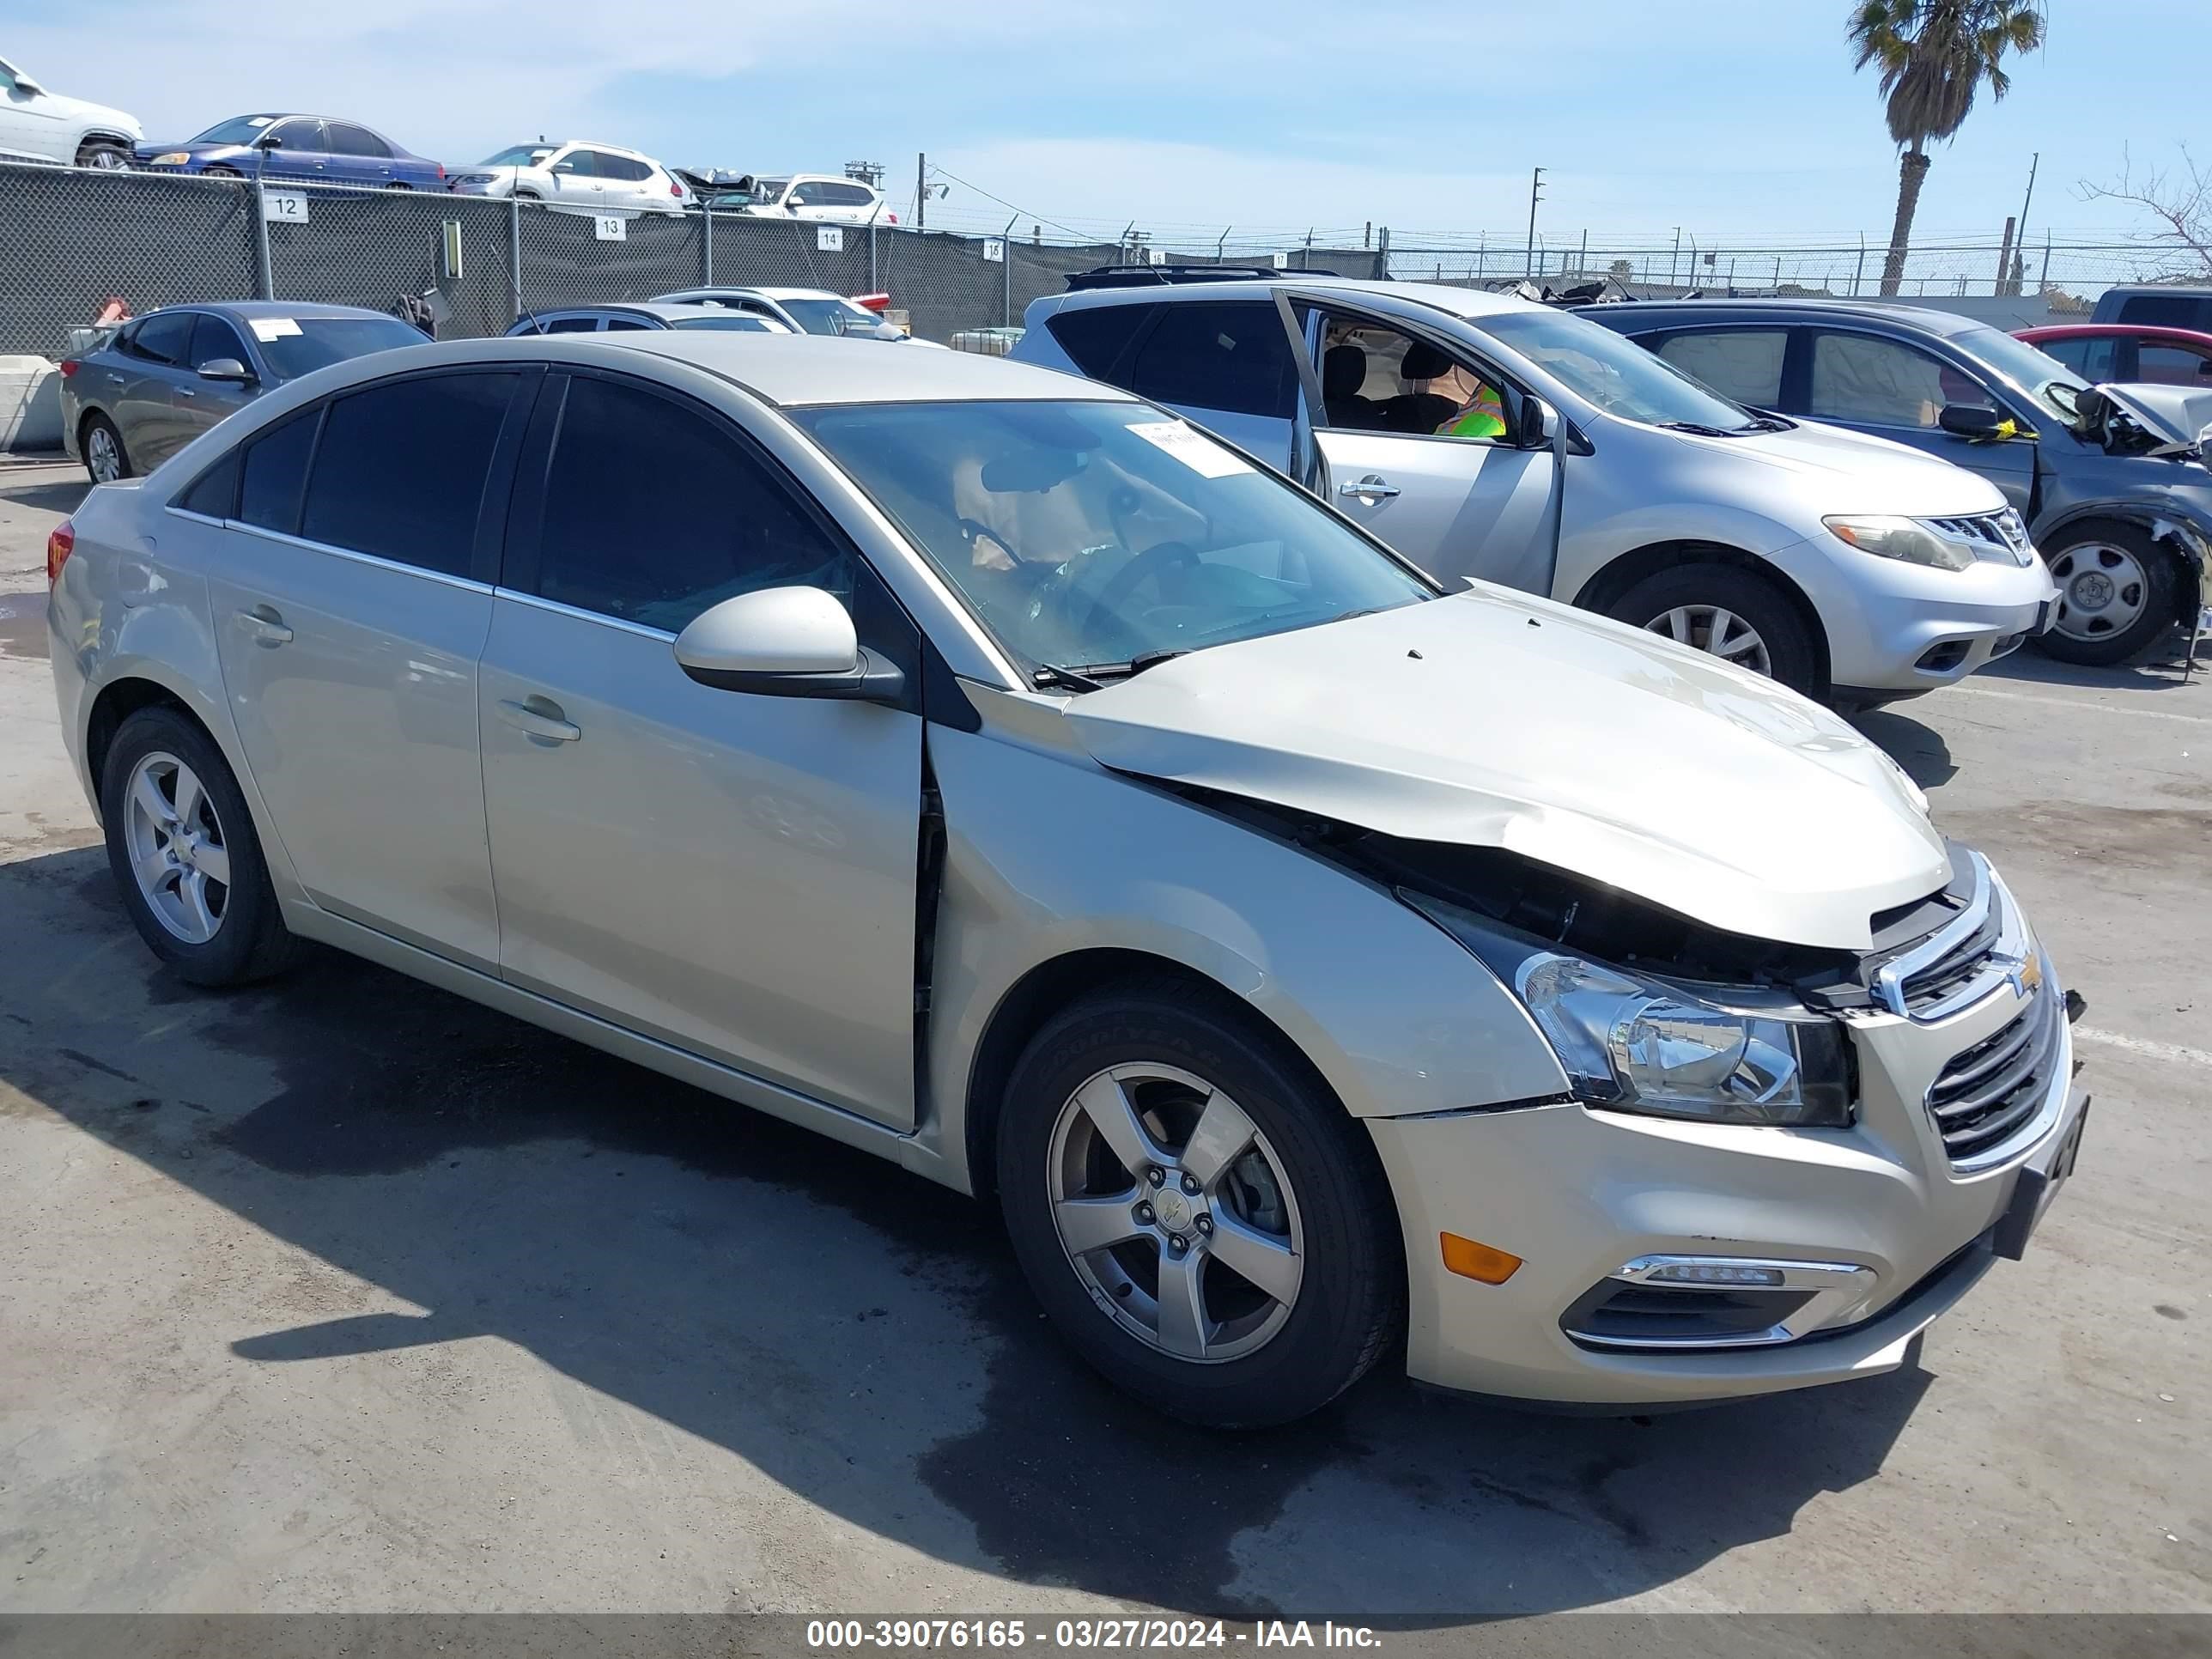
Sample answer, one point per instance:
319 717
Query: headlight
1633 1045
1907 539
175 158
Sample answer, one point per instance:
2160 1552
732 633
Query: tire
1689 602
103 154
221 173
2117 590
1307 1178
162 749
527 196
105 460
395 184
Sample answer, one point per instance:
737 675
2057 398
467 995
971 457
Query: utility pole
2033 162
1535 194
2004 255
920 189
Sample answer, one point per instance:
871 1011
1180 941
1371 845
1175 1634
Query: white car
39 125
802 310
578 174
820 197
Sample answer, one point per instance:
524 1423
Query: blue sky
1738 120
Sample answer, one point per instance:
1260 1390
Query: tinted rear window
401 470
2168 310
275 467
1233 357
1097 338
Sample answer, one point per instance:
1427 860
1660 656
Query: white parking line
2068 702
2149 1048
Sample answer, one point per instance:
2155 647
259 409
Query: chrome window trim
467 584
1841 1290
580 614
197 517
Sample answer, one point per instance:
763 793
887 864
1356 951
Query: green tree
1935 55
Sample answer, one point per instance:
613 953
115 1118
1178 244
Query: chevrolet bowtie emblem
2025 976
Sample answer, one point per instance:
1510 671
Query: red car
2126 352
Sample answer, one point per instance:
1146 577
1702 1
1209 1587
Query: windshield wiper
1093 676
1700 429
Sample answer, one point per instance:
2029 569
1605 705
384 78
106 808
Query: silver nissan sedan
989 770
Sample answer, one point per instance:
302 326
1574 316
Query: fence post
1383 253
706 245
874 286
265 278
514 252
1007 271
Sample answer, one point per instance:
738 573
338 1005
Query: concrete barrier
30 405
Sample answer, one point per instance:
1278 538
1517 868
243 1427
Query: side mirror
226 369
1535 424
1976 422
24 84
269 141
785 643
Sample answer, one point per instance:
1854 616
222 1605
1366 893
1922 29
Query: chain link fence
71 240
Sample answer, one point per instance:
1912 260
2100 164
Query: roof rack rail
1148 275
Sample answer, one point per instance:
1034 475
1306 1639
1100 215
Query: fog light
1713 1273
1470 1260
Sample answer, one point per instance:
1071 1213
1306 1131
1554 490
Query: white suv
578 174
818 197
36 122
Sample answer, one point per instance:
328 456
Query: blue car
298 148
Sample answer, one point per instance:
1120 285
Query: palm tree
1935 56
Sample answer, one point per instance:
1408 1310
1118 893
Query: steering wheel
1124 582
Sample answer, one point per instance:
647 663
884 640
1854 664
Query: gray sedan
159 382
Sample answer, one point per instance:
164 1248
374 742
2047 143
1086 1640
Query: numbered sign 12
284 207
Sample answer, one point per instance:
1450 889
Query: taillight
675 188
60 543
69 366
875 302
891 218
440 166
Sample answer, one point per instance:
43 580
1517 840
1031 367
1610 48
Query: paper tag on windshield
266 329
1194 449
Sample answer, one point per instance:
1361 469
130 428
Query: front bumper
1576 1193
1897 629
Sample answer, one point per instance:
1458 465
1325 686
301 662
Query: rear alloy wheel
2116 593
1727 612
105 458
183 849
1203 1223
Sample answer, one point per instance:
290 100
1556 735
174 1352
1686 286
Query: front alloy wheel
1197 1212
1716 629
1175 1213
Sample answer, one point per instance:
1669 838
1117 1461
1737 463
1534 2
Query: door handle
187 391
267 627
1371 488
540 718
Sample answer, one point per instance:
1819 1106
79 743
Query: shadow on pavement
2159 667
47 495
859 1335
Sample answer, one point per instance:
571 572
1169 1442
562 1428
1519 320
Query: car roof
1443 296
798 370
1924 320
2109 331
764 292
592 143
245 310
632 307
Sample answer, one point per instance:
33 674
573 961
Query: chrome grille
1963 960
2000 537
1988 1092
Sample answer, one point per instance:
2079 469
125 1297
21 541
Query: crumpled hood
1861 473
1492 719
2177 414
